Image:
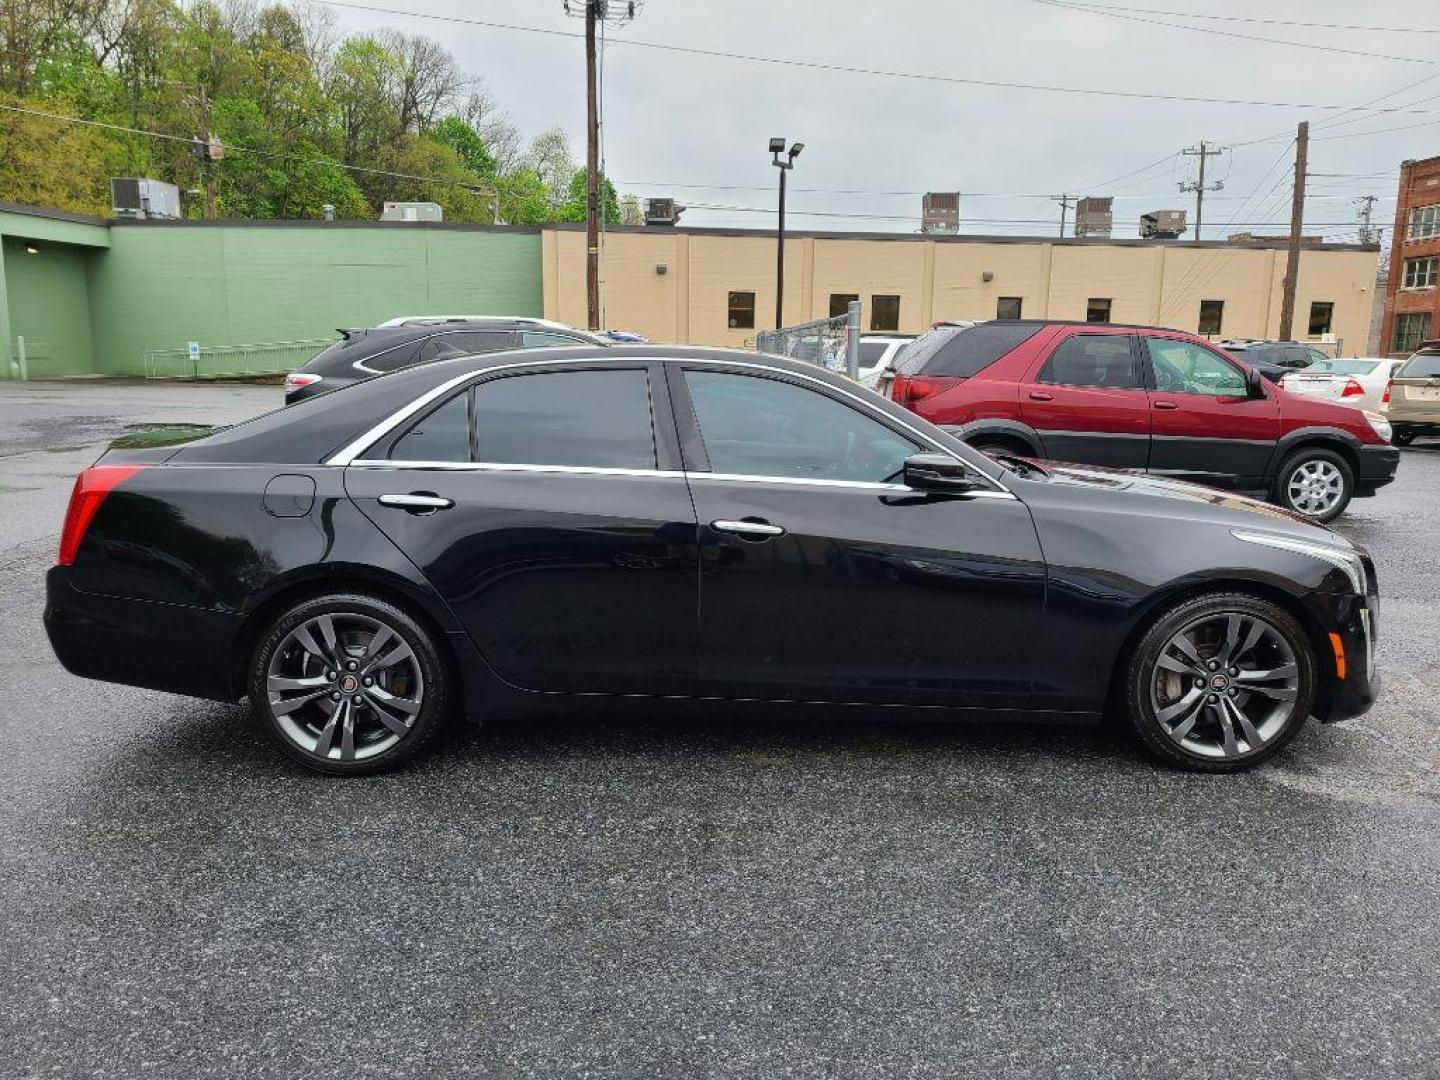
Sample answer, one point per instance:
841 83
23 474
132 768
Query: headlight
1347 560
1378 423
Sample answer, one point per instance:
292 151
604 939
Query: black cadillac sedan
518 529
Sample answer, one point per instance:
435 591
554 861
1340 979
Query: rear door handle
1040 395
417 502
1166 405
749 530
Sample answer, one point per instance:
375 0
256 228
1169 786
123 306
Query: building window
742 311
1424 223
884 313
1097 309
1420 273
840 303
1212 316
1410 330
1008 307
1322 313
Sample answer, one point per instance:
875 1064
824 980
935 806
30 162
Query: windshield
1343 367
1423 365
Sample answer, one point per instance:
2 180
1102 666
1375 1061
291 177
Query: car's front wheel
1221 682
1315 482
348 684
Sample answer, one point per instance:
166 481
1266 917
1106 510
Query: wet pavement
752 893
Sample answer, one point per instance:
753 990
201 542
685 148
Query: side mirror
1254 384
939 472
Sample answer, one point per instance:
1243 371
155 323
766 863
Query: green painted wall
159 286
47 296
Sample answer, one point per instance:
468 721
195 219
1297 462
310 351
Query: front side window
442 434
1212 316
1424 222
1420 273
1322 314
741 313
584 419
840 303
1097 309
1411 329
885 313
755 426
1182 367
1008 307
1099 360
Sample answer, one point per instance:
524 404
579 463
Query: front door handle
749 529
417 502
1040 395
1166 405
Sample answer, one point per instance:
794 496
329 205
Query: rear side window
1425 365
960 352
871 352
537 339
392 359
442 434
466 343
1099 360
586 419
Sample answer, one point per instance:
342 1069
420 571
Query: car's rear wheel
1221 682
1315 482
348 684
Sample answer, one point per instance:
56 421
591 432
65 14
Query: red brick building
1412 293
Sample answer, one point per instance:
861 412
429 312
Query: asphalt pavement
748 894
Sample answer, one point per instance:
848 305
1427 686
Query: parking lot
739 894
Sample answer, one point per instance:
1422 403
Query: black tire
1141 671
1313 457
992 447
1402 438
424 673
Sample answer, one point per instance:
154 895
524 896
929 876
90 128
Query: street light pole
777 147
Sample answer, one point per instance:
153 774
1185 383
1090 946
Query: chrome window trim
352 451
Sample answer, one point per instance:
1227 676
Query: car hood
1195 502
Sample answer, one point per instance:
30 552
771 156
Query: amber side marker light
91 487
1339 647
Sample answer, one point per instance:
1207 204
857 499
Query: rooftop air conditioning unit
1162 224
1094 216
412 211
140 198
662 211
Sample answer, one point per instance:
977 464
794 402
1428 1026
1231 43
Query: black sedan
528 528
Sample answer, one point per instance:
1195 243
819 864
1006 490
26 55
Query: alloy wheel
343 686
1315 487
1225 684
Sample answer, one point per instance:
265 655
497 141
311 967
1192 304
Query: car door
548 509
1205 426
825 579
1086 399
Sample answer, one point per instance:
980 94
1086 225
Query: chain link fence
231 361
833 344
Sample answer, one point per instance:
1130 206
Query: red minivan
1139 397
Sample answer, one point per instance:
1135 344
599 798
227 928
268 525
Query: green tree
573 209
50 162
630 211
467 144
524 198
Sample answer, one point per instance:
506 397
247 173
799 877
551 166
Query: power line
1273 22
1089 10
886 193
816 65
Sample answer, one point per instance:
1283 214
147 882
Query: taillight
911 389
1352 389
298 380
90 489
1385 398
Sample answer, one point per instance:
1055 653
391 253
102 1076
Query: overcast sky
676 119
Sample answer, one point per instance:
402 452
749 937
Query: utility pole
1368 234
593 12
1297 222
1203 151
1064 201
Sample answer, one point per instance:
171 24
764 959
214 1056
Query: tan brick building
1412 299
717 286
